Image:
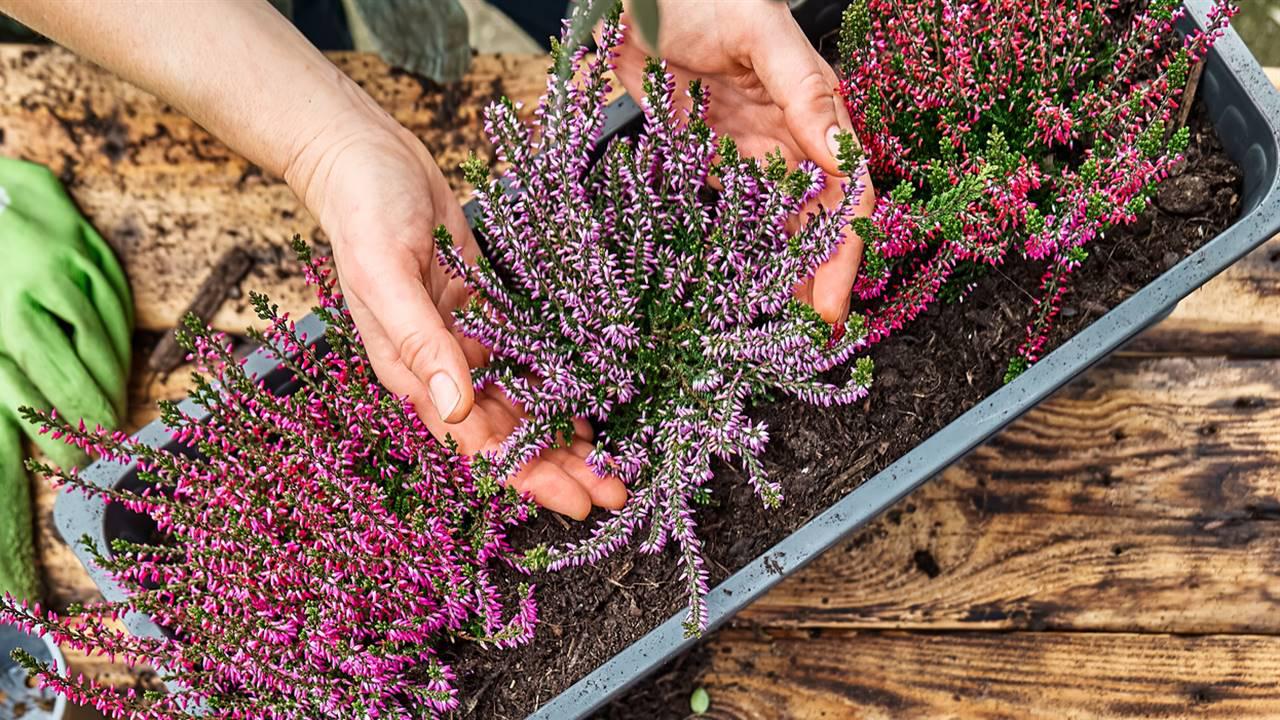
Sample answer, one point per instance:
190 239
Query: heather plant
1008 130
651 292
311 554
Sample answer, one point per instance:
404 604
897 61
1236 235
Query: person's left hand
769 89
66 314
379 196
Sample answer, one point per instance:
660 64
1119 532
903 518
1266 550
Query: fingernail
832 144
444 394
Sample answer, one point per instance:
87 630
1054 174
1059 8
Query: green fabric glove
18 575
66 319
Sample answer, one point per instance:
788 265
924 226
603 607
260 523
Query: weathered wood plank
1235 314
1141 498
981 676
172 200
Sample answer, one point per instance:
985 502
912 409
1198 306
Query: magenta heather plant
312 551
1010 129
629 292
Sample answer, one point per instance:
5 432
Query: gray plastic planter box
17 700
1246 112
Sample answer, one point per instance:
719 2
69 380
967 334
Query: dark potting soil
952 357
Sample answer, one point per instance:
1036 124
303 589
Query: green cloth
66 319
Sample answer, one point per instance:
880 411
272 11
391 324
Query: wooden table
1116 553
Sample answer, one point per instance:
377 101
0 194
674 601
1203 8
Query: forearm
237 67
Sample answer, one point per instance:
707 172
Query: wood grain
1141 498
990 676
1235 314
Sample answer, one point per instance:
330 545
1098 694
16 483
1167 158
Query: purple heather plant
312 552
651 292
1010 131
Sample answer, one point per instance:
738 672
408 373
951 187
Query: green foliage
854 28
536 559
1151 143
863 368
849 155
1179 70
817 328
775 166
998 154
1034 222
1017 366
475 170
699 701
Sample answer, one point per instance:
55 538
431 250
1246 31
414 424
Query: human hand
250 78
379 195
769 90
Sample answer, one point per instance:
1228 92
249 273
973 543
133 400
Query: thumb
411 349
801 85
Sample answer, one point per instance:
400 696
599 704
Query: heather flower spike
1017 129
311 556
630 292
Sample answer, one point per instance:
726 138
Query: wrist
332 124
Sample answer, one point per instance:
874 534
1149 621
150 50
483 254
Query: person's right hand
379 195
770 90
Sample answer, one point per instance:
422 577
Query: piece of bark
216 288
1189 95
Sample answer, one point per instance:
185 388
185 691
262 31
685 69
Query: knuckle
419 350
814 86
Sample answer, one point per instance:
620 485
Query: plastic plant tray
18 699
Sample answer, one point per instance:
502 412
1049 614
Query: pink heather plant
629 292
1009 128
313 551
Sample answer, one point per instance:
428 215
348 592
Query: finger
582 428
833 281
490 421
607 492
64 300
18 392
553 489
792 73
393 296
842 110
46 358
